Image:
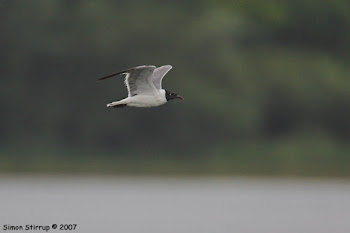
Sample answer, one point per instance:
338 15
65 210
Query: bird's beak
180 97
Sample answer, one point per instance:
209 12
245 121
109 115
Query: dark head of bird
171 95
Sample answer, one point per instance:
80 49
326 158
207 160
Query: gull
144 84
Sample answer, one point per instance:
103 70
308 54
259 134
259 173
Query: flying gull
144 84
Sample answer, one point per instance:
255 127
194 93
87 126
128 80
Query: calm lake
162 205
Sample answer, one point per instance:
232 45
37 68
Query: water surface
162 205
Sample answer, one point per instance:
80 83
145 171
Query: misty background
260 144
266 87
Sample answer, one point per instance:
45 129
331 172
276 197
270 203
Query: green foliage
257 77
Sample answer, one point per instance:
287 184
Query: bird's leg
119 106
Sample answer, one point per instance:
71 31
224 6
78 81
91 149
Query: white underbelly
146 101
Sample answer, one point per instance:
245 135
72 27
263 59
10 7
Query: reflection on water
160 205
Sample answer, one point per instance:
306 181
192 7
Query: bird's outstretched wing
138 80
158 75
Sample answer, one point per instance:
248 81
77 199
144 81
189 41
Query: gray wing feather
139 80
158 75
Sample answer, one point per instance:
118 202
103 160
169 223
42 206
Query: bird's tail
116 104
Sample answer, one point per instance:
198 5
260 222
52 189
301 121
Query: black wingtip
112 75
100 79
122 72
108 76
